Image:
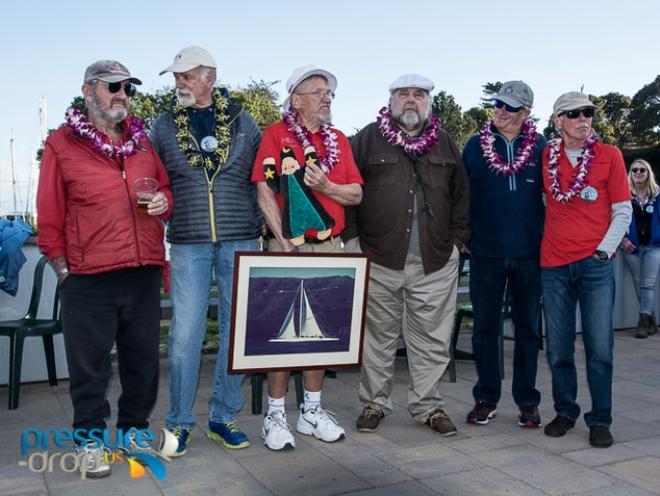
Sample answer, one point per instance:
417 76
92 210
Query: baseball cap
304 72
516 94
412 81
189 58
572 100
109 71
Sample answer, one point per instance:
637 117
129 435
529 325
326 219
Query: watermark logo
132 447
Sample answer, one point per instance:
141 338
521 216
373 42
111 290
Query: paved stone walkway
401 458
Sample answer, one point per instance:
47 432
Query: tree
475 118
611 121
490 90
451 117
645 114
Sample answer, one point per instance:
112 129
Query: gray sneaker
440 423
92 460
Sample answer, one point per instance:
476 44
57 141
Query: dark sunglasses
129 88
638 170
509 108
574 114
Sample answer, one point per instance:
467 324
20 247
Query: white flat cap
304 72
412 81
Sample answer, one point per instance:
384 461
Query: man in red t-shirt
305 175
588 211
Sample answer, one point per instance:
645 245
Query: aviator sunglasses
129 88
574 114
509 108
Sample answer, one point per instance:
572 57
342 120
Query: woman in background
641 245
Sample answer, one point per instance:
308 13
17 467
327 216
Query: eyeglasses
320 94
129 88
574 114
640 170
509 108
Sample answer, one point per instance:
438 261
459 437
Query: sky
557 46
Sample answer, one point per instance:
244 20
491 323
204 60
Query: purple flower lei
303 137
77 121
523 156
414 146
583 166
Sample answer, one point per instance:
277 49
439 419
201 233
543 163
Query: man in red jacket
107 254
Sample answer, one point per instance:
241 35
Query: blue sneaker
183 436
228 434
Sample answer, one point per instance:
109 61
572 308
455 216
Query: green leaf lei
222 134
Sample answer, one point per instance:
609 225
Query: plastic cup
145 189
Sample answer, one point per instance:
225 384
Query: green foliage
451 118
490 90
259 99
611 120
645 114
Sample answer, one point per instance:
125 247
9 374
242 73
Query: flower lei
78 121
414 146
222 134
303 137
583 165
523 156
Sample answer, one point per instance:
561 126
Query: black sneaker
600 436
529 416
369 419
481 413
559 426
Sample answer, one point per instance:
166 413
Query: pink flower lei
331 158
77 121
415 146
523 156
583 167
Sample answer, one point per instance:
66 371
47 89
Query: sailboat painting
297 310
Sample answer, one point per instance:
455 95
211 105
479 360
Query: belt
316 241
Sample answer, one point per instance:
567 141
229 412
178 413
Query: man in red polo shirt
305 140
588 211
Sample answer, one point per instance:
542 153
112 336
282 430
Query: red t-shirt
574 230
277 136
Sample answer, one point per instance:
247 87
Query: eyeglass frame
509 108
636 170
320 94
571 114
129 88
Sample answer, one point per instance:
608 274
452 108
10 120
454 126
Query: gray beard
185 100
324 119
409 120
111 115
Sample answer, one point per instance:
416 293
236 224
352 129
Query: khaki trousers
429 302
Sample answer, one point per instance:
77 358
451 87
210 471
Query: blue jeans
590 283
644 266
488 277
191 271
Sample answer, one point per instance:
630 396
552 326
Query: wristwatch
601 255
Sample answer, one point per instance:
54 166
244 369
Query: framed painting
301 311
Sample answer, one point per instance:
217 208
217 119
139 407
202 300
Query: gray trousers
429 302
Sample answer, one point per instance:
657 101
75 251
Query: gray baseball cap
516 94
572 100
109 71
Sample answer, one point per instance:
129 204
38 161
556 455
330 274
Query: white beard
186 99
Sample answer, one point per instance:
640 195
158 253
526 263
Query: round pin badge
209 143
589 194
649 209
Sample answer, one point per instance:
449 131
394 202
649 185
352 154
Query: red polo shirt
574 230
277 136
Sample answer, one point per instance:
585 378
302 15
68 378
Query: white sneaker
276 432
92 460
321 424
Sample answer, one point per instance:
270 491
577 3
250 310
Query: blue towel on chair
13 234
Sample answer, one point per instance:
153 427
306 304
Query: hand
158 204
627 246
61 277
315 178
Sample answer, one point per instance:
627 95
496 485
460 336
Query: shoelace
370 412
232 427
436 416
326 413
181 434
280 420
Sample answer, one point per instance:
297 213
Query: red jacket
87 209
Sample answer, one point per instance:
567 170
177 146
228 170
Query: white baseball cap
189 58
304 72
